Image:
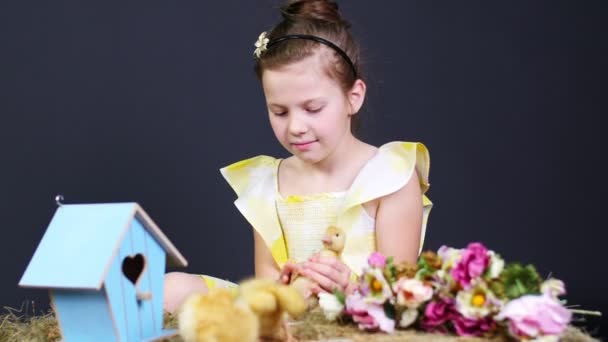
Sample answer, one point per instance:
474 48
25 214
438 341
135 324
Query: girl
309 69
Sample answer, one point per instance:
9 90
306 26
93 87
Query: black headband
318 40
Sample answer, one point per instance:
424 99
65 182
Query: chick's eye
337 235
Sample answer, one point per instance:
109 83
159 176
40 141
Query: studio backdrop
144 101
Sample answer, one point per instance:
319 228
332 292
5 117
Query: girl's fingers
287 270
327 276
331 268
333 262
322 281
316 289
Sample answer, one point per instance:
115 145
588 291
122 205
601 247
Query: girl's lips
303 146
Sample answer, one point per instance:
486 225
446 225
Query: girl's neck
344 154
335 173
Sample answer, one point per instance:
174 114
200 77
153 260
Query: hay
16 325
313 327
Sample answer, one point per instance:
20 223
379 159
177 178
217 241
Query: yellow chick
333 244
211 317
256 310
270 301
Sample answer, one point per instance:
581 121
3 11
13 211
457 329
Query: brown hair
318 18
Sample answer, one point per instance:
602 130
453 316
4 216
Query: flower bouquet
468 292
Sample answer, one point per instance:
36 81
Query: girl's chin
307 157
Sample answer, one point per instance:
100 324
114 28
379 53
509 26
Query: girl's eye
280 114
315 110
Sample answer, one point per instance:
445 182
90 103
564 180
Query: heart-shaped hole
133 267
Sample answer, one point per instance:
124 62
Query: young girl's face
309 112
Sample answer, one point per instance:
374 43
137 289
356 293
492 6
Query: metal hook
59 200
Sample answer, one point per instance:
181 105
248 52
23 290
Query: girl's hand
329 273
288 269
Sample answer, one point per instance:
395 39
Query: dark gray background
107 101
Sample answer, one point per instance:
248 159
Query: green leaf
340 296
519 280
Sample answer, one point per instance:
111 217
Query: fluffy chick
211 317
270 301
333 244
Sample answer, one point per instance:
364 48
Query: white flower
261 45
330 305
496 265
553 287
449 257
375 288
408 317
477 302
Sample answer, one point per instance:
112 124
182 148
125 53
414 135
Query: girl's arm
265 266
399 222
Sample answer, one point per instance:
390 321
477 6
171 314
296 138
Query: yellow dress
255 182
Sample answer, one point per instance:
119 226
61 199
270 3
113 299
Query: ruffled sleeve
254 181
388 171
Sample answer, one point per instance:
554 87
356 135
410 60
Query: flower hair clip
261 45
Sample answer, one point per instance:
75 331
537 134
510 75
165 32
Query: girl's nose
297 126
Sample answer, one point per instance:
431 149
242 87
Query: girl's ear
356 96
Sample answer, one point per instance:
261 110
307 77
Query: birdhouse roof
81 241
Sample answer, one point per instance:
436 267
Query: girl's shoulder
398 159
245 173
389 170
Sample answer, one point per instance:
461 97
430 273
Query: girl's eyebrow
315 100
304 103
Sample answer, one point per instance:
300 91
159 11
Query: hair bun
323 10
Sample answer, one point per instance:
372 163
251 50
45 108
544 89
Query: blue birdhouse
104 266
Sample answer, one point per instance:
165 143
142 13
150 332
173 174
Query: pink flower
437 313
412 292
473 327
532 316
473 262
376 259
368 316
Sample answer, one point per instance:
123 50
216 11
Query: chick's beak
326 240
